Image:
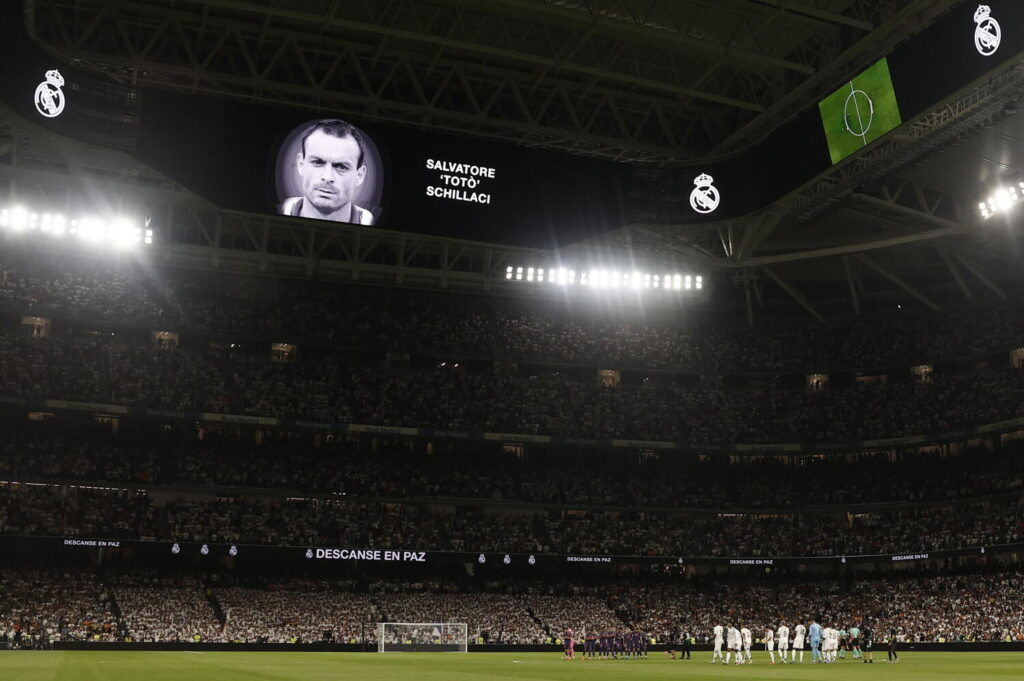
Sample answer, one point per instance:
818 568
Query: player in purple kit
569 641
589 644
606 645
644 639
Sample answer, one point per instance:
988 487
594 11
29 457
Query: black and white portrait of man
330 170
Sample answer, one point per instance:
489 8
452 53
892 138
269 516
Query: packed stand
104 514
310 613
69 511
40 607
166 610
577 611
328 388
422 322
391 470
493 618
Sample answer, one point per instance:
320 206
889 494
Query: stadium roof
653 83
640 80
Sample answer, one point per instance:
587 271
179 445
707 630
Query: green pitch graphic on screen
860 112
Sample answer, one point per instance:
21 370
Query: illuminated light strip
600 278
119 232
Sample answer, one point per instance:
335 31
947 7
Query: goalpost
422 637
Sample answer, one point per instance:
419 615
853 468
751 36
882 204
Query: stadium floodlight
89 229
1002 200
122 234
117 232
19 218
601 278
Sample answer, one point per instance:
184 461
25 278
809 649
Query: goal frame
459 631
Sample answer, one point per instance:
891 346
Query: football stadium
511 339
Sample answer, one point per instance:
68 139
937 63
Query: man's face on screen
329 171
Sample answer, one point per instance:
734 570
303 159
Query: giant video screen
340 169
860 112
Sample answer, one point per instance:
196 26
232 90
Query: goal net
422 637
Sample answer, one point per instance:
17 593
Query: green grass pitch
860 112
227 666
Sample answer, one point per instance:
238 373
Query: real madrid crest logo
309 553
481 559
49 96
704 198
204 549
987 34
175 548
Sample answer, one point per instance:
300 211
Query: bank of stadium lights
604 278
119 233
1002 200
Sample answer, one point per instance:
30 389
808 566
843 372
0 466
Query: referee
894 657
866 643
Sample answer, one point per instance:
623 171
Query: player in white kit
833 644
748 640
734 642
717 656
783 642
799 633
769 643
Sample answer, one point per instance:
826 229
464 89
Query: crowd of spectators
420 322
70 511
306 612
331 389
155 609
582 611
494 618
47 606
402 470
44 607
343 494
63 511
